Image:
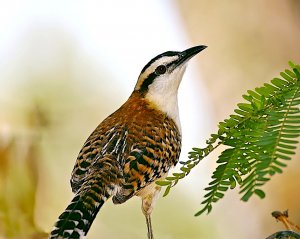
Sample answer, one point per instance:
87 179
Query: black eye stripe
148 81
159 70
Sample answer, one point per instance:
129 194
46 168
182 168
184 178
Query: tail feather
76 220
78 217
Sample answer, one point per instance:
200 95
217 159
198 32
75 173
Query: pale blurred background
66 65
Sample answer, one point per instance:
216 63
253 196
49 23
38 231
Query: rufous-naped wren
131 149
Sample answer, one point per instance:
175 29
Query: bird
131 149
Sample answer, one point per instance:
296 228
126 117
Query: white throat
163 94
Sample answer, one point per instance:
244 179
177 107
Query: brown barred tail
78 217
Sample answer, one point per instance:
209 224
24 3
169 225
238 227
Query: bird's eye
161 69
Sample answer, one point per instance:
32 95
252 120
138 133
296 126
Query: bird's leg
149 226
148 202
147 208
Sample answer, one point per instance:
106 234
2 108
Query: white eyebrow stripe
151 68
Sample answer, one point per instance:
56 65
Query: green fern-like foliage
259 137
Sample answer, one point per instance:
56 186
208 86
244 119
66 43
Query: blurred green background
66 65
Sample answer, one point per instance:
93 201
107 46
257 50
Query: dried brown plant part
283 217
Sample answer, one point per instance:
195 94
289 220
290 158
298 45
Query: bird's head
164 72
159 80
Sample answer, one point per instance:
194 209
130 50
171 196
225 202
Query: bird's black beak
189 53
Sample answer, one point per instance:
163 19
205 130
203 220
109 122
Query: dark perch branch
284 235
